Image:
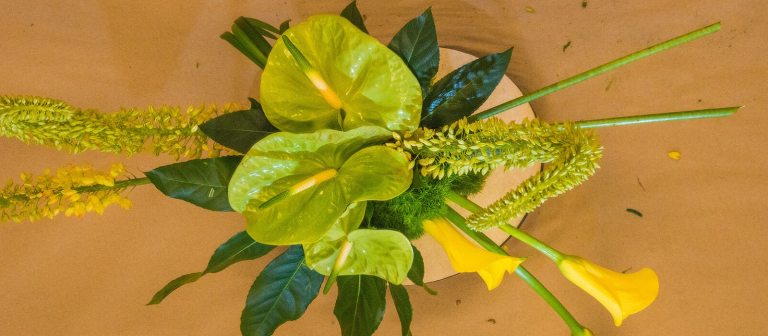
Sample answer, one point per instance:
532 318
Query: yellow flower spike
467 257
622 294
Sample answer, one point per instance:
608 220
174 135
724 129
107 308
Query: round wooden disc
437 266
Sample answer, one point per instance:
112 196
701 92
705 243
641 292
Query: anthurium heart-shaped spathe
386 254
293 187
356 81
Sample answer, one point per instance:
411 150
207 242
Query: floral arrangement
354 151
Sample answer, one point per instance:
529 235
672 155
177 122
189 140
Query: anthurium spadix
330 74
347 250
466 257
292 187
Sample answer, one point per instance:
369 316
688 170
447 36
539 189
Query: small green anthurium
326 73
347 250
292 188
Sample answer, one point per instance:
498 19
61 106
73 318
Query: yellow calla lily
622 294
467 257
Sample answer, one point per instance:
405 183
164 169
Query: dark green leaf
403 307
238 248
416 273
173 285
360 304
239 130
416 43
281 293
254 55
462 91
255 105
285 25
202 182
251 31
248 36
352 14
262 27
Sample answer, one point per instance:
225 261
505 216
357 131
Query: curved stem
531 241
550 299
597 71
658 117
520 271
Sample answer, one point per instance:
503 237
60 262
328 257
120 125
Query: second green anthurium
292 188
331 75
347 250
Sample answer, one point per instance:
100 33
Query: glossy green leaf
386 254
249 50
202 182
173 285
416 273
239 130
282 161
238 248
360 304
285 25
403 307
416 43
461 92
373 84
281 293
352 14
261 27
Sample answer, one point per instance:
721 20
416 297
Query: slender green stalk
597 71
575 327
463 202
479 237
659 117
122 184
529 240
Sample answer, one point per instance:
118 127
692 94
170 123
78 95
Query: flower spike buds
622 294
467 257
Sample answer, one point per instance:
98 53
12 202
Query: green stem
122 184
520 271
463 202
597 71
659 117
529 240
575 327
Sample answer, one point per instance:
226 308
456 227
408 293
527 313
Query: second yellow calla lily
467 257
621 294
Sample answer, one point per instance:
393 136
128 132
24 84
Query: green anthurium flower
347 250
342 79
293 187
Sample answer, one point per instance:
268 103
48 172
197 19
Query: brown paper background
704 220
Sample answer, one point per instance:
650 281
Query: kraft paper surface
704 216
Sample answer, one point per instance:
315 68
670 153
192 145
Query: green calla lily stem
598 71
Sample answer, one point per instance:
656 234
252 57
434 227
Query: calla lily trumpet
622 294
467 257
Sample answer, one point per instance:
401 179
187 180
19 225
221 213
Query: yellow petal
622 294
467 257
